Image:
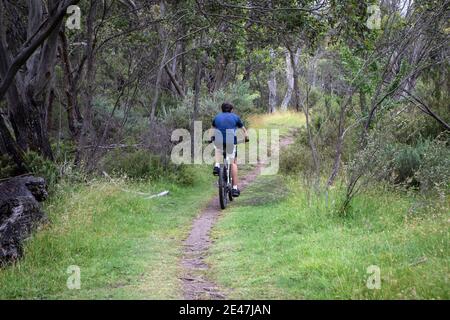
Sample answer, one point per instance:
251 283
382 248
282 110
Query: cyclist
226 124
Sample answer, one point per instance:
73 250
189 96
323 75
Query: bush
314 97
42 167
434 173
239 94
136 164
184 175
406 162
297 158
64 151
141 164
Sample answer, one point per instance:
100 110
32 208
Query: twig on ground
146 195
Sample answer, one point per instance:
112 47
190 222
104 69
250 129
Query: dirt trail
195 285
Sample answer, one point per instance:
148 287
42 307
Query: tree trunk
305 108
87 131
74 117
272 83
28 93
289 79
362 102
50 110
339 143
172 72
328 92
174 81
197 84
295 79
9 146
157 84
165 45
57 13
311 139
219 71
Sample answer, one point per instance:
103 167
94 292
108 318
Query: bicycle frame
227 165
225 181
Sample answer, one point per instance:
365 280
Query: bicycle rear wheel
222 188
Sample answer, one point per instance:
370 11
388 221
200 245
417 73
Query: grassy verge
281 241
284 122
125 245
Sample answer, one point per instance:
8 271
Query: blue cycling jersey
227 123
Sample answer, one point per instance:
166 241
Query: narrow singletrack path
194 283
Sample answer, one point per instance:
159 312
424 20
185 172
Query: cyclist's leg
234 172
235 192
218 153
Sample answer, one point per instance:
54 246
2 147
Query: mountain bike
225 180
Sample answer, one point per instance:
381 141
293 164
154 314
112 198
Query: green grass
125 245
283 121
279 241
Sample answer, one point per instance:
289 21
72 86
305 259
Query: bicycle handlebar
238 142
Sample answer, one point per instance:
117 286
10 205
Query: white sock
235 187
217 165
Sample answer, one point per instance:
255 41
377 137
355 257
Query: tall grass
126 245
297 247
284 121
284 239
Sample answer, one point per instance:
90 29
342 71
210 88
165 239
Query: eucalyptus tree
28 47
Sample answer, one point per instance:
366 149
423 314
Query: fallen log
20 213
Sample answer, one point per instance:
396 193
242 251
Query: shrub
434 173
314 97
135 164
64 151
141 164
297 158
184 175
406 163
42 167
7 166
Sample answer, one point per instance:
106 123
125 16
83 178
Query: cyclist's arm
245 132
213 129
240 125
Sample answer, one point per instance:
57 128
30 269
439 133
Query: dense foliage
375 93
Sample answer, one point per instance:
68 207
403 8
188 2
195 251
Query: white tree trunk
289 79
272 83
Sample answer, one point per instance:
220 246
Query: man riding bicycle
226 124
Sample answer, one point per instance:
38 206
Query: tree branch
31 45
